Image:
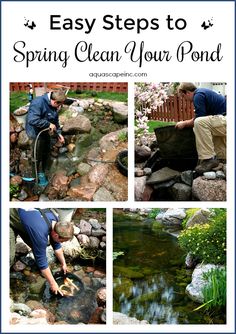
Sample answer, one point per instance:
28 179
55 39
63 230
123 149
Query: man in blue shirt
42 115
209 124
37 227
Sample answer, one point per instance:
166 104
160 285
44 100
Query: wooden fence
174 109
119 87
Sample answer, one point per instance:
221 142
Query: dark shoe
207 165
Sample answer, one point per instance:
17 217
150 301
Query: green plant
189 214
207 242
214 292
152 214
14 190
152 125
123 136
116 254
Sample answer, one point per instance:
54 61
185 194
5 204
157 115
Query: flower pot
122 162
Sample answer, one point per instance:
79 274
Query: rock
37 287
13 137
103 316
16 180
138 172
19 266
103 195
94 154
102 245
22 248
220 175
71 248
209 190
71 147
98 233
199 218
39 313
76 230
173 216
83 192
162 175
209 175
15 318
94 223
98 174
83 240
94 242
123 319
21 309
23 140
187 177
75 182
34 305
77 124
83 168
59 180
75 316
190 261
142 191
85 227
181 192
101 297
147 171
50 255
99 274
142 153
120 112
194 289
23 195
109 141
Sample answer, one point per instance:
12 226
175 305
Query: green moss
127 272
122 286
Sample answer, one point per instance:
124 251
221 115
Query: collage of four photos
69 142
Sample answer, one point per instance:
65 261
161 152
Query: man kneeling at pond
36 226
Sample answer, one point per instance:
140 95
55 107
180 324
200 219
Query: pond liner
176 149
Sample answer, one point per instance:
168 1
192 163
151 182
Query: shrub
189 214
207 242
123 136
152 214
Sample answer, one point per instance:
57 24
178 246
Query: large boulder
209 190
142 191
173 217
71 248
199 218
194 289
120 112
110 140
77 124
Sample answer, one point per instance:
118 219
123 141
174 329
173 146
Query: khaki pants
210 134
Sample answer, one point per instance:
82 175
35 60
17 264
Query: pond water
150 278
78 308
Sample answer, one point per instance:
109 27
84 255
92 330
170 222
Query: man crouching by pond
36 227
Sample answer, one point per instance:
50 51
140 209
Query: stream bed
151 277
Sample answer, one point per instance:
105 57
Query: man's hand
61 139
180 125
64 268
52 128
55 288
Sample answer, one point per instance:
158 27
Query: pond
150 278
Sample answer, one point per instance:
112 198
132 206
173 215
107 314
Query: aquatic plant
116 254
207 242
214 292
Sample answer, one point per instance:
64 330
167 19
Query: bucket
20 115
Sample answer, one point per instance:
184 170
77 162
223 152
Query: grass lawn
158 124
19 99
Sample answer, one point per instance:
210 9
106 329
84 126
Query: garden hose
35 158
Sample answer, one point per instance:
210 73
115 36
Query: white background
222 31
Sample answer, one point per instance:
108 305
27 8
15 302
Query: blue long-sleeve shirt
38 232
40 114
207 102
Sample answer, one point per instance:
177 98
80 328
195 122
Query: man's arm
49 277
189 123
59 254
